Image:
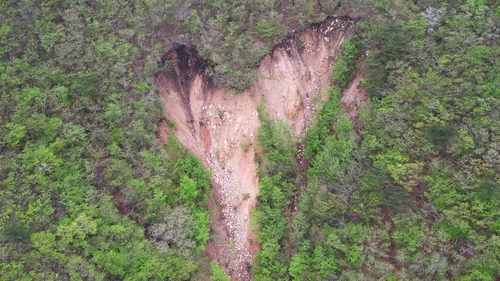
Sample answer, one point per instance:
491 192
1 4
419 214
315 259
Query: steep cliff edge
219 126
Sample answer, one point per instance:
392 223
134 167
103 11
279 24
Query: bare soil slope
219 126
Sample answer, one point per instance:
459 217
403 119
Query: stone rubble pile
229 206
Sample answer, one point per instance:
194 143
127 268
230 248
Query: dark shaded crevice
186 65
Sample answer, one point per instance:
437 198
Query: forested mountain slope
412 191
409 192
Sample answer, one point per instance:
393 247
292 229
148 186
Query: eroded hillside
219 125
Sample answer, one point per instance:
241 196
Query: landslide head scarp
186 65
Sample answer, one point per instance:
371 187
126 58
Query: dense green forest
87 193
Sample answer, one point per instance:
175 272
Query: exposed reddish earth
219 126
355 95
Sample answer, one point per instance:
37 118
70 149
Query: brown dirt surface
219 126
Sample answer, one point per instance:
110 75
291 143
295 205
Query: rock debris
225 178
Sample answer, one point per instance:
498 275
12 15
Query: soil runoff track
219 126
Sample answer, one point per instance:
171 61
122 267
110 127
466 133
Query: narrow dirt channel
220 127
